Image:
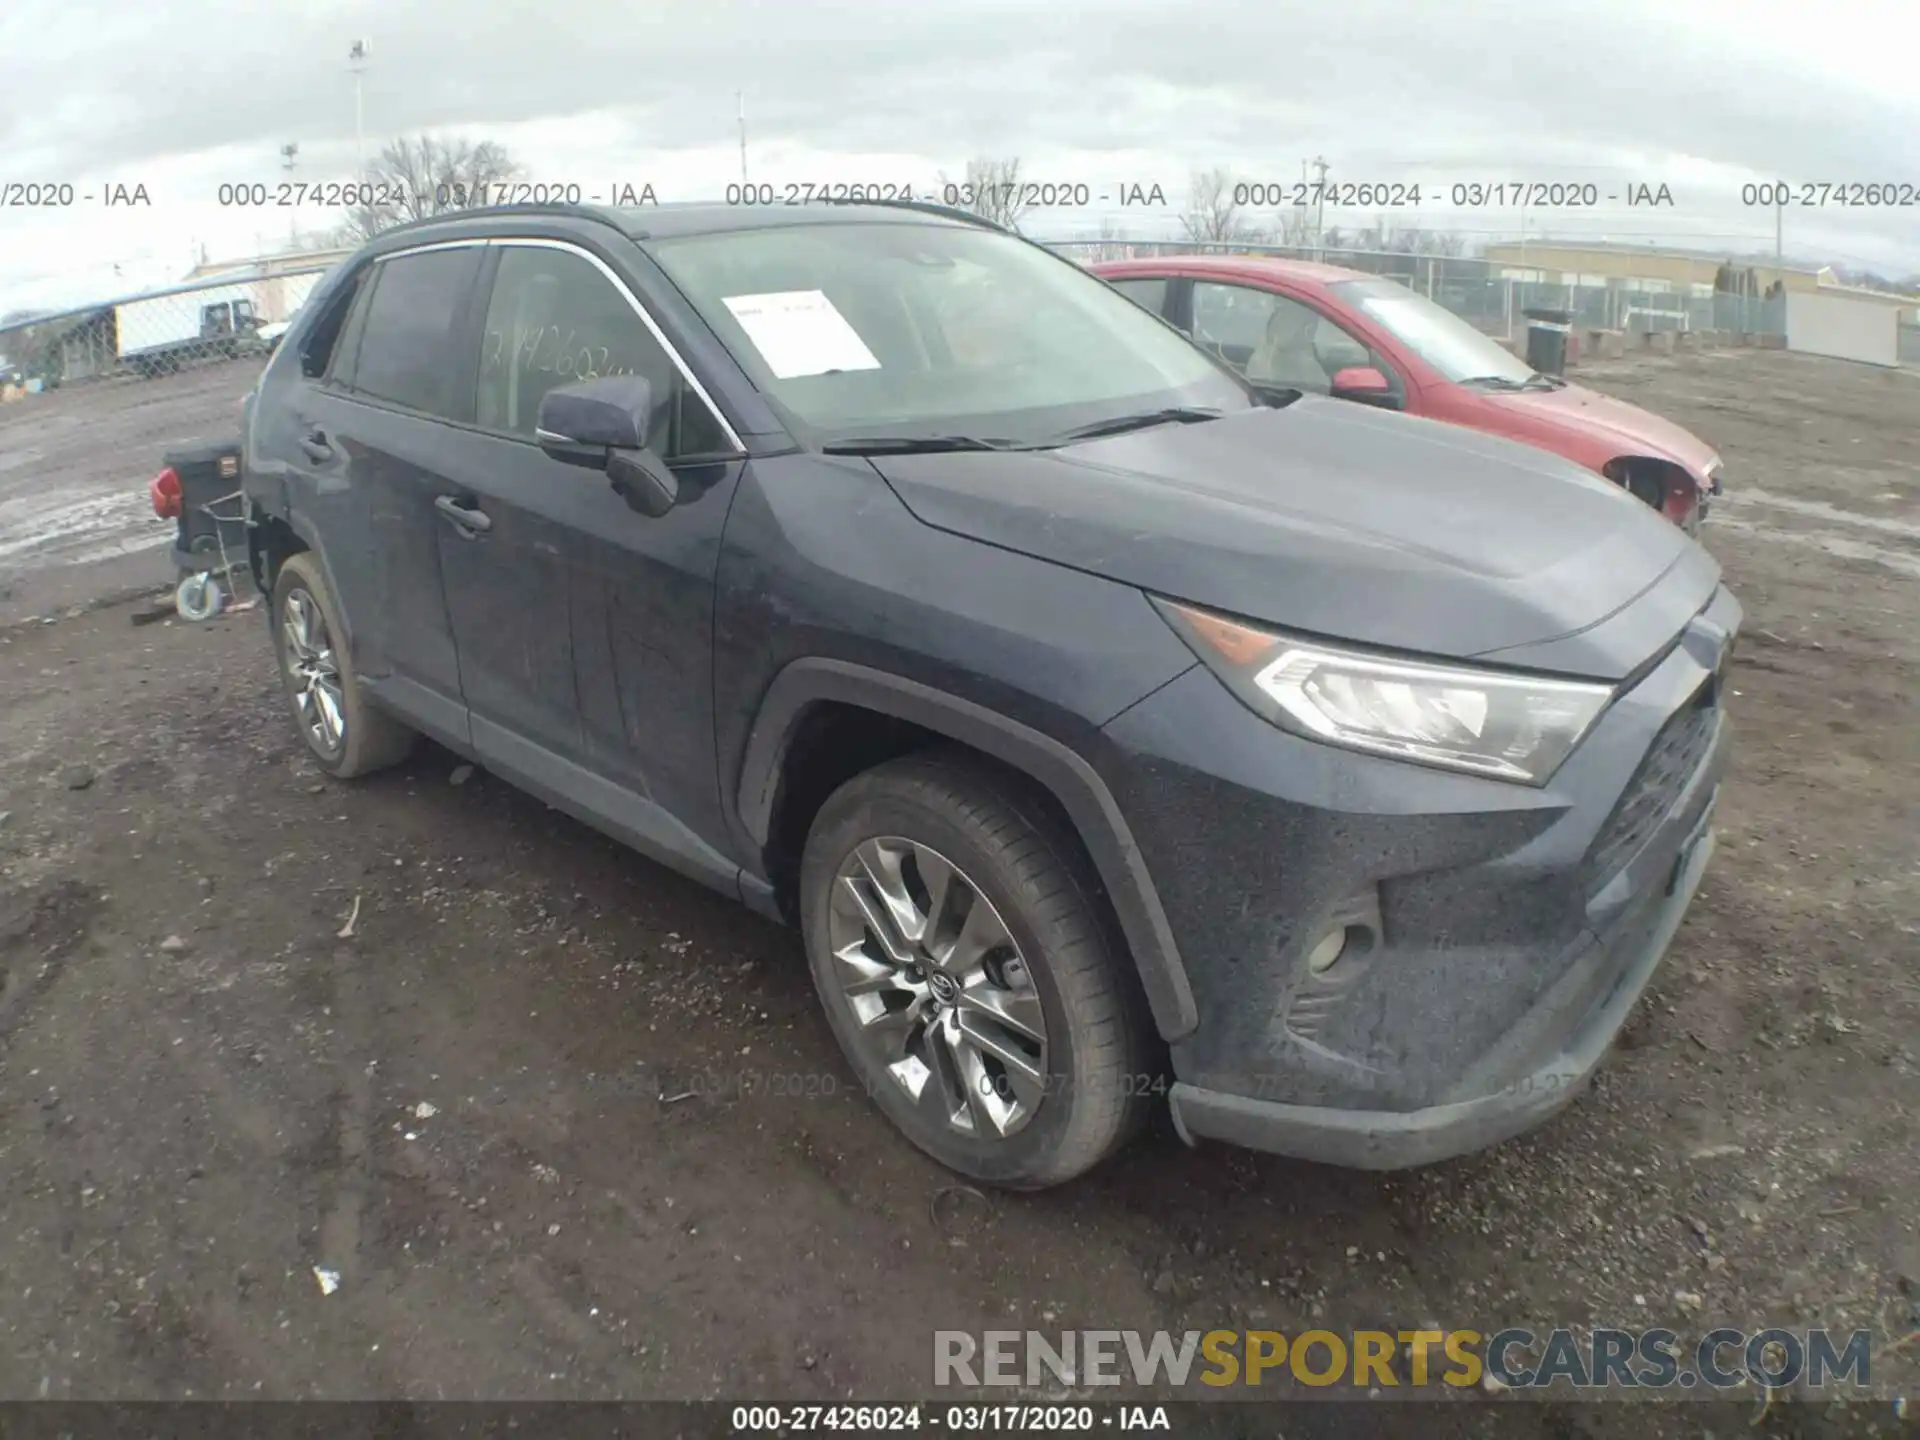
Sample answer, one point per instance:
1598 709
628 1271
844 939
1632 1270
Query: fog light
1325 955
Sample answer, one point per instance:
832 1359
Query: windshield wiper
1494 382
913 445
1120 424
1539 381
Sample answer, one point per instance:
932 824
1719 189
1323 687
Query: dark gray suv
1114 732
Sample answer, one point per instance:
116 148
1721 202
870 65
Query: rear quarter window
327 349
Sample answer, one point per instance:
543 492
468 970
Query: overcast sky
1703 97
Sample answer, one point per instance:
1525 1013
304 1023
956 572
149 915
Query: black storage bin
1547 332
209 475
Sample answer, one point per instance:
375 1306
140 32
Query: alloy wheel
943 999
314 672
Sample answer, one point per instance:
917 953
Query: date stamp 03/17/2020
987 196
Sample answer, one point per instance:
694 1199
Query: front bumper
1602 985
1507 930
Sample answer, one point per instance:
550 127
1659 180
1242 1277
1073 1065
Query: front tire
342 730
969 975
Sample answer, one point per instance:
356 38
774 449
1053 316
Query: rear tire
1019 1022
343 731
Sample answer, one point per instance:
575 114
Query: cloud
1703 98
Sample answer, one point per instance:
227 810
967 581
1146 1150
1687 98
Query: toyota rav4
1115 731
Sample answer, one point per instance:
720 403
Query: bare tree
1213 215
414 179
1417 241
1390 239
1112 244
992 190
1296 228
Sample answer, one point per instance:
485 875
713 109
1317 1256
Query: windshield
1437 336
911 329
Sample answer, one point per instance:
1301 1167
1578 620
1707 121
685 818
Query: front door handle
318 448
469 522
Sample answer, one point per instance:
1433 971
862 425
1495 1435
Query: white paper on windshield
798 332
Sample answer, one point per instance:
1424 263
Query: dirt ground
530 1108
75 521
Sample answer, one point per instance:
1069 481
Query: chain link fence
208 321
158 333
1487 295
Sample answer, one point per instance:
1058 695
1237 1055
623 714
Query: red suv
1330 331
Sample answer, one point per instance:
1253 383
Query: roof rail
477 212
928 207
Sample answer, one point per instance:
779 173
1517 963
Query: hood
1626 429
1337 520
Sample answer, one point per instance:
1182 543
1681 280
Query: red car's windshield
1438 336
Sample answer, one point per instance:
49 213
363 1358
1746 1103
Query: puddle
1831 542
1819 510
111 549
36 532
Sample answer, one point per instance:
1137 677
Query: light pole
288 153
1779 251
740 98
1320 209
357 63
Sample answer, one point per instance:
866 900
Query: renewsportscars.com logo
1514 1359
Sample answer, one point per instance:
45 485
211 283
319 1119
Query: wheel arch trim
1074 783
308 534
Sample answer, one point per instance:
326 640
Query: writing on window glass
549 350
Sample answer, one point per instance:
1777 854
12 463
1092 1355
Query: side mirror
609 413
1365 384
602 424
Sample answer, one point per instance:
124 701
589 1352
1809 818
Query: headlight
1501 724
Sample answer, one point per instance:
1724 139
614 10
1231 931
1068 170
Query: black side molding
1073 782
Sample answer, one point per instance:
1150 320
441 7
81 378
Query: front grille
1678 750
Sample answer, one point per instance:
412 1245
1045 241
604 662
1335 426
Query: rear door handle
470 523
318 448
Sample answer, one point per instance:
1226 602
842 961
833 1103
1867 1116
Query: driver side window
1273 339
554 318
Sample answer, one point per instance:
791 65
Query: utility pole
1320 209
1779 227
357 63
740 99
288 153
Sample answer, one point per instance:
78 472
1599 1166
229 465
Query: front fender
1067 776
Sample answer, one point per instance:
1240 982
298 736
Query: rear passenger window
406 351
554 318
